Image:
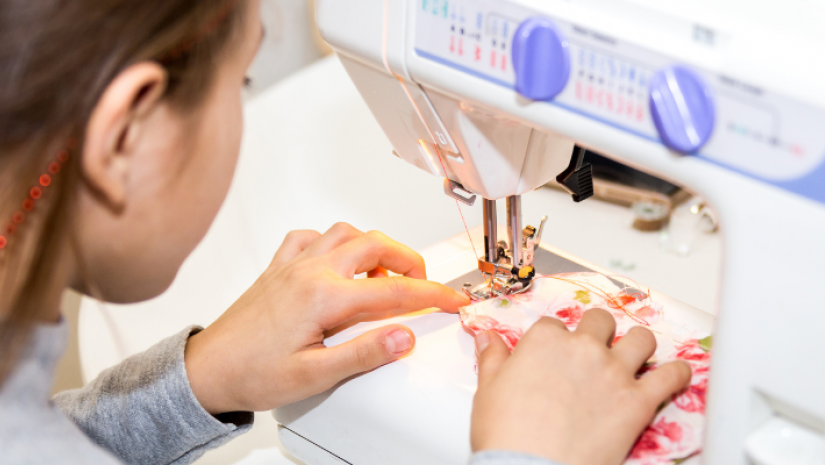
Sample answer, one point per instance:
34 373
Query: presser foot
496 287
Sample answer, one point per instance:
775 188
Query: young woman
120 124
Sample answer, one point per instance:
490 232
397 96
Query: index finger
339 233
294 243
394 293
599 324
373 249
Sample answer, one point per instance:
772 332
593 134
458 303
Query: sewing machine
722 97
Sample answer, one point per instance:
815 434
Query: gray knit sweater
141 411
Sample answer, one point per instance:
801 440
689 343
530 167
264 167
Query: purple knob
541 59
682 108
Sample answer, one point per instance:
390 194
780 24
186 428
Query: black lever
578 177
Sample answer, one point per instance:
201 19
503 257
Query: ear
115 125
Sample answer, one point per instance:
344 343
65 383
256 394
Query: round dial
682 108
541 59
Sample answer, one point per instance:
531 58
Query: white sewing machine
721 96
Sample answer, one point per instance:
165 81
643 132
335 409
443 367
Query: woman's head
148 93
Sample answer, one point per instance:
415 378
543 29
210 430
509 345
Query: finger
598 324
492 352
378 272
635 348
364 353
544 330
374 249
294 243
338 234
665 381
395 293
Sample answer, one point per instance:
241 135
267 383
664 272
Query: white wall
291 41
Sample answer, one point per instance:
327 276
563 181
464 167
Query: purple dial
541 59
682 108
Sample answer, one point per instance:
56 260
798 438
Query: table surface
312 156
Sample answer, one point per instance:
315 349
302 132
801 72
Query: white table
313 155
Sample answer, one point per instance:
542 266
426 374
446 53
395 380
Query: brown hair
57 57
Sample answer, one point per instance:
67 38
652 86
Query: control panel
724 120
461 33
611 88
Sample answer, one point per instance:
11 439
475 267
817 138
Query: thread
618 302
421 117
457 205
466 229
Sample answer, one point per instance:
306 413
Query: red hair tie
36 192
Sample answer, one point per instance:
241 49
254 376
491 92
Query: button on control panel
541 59
682 108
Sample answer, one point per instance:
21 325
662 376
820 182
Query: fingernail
482 341
398 342
463 296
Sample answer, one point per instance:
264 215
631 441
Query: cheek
227 149
216 157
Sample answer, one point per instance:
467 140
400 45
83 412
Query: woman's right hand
569 396
268 349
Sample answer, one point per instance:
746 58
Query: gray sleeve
143 410
503 457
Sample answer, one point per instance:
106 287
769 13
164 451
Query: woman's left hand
268 349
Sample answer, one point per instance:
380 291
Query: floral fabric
676 432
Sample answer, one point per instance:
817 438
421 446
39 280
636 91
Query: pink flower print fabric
676 432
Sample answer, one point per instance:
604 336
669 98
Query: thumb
492 352
367 351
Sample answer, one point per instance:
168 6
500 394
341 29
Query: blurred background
291 42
